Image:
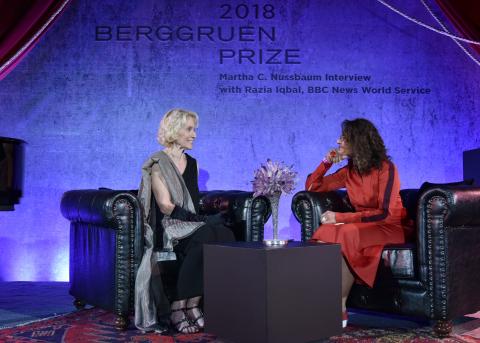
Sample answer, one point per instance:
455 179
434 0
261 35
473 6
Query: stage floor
23 302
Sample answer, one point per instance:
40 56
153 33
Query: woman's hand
328 217
333 156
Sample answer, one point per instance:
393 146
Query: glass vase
274 203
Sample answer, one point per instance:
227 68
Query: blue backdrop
89 97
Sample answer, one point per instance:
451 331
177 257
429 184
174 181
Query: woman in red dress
373 187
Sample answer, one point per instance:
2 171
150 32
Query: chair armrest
245 212
448 241
463 205
106 246
307 208
114 209
99 207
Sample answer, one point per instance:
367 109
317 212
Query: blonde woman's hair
171 123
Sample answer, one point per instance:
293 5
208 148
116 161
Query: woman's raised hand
333 156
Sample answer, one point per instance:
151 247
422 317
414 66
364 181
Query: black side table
264 294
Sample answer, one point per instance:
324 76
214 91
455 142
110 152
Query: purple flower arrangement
274 178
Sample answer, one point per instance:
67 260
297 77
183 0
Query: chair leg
79 304
121 322
442 328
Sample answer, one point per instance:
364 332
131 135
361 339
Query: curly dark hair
367 148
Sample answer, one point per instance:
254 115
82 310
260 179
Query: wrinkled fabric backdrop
89 96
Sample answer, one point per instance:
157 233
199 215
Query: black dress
189 250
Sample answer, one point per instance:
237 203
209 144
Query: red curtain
22 23
465 16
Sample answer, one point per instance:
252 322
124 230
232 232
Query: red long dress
377 219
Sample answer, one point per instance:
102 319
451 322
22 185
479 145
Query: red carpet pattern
95 325
424 335
88 326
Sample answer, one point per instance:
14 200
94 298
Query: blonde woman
171 175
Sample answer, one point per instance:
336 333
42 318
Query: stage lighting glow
24 268
59 271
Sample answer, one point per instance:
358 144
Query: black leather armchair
106 240
433 277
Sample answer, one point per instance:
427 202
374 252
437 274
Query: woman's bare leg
347 283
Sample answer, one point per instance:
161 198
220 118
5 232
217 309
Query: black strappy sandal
184 325
195 318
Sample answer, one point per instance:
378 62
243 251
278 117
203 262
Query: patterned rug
95 325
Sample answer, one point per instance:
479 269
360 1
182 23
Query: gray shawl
146 304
